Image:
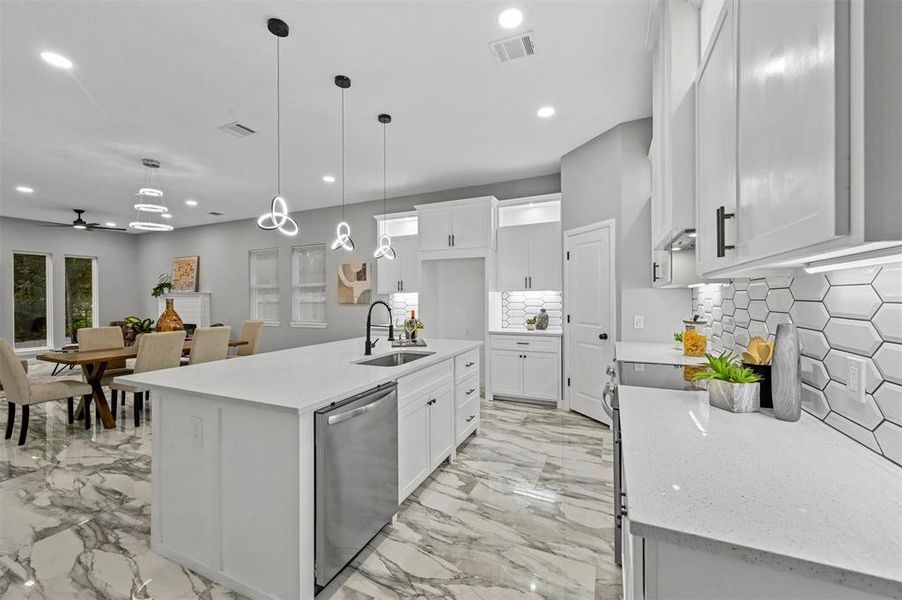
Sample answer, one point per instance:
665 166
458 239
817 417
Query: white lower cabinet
441 423
525 366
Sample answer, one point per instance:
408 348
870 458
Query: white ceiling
156 78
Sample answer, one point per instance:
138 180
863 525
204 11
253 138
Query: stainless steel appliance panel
356 476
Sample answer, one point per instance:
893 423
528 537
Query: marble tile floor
524 512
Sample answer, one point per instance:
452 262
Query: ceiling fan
80 223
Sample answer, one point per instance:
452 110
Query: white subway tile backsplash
840 315
852 301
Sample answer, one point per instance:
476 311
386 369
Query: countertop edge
840 576
537 333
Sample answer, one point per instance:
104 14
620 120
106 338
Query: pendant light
149 201
343 231
383 248
277 217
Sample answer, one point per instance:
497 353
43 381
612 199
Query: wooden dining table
95 363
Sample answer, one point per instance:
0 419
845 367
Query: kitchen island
724 505
233 451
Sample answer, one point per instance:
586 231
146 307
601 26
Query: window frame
48 282
95 288
295 286
252 287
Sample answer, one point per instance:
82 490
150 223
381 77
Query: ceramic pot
542 320
763 371
734 397
170 320
530 326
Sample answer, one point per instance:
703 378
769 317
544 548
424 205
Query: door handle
722 246
602 336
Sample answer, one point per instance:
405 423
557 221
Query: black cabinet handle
471 391
530 282
722 246
470 418
654 272
449 239
402 285
452 239
522 343
602 336
469 364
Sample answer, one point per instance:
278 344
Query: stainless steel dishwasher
356 475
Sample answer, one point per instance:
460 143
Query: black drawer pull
470 418
471 391
469 364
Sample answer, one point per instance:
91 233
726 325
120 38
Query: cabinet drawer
414 382
466 363
467 415
526 342
467 389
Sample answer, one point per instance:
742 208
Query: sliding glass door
81 297
32 293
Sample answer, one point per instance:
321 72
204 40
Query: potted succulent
530 323
731 386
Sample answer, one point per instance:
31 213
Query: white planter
734 397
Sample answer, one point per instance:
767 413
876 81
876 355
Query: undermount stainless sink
394 359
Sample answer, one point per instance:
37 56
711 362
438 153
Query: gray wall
609 177
117 257
223 251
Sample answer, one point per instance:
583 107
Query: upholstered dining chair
105 338
19 391
155 351
209 344
250 332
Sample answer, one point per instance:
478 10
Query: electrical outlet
855 385
638 322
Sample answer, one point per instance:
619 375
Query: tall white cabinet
529 257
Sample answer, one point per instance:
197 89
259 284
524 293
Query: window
264 284
81 296
32 293
308 286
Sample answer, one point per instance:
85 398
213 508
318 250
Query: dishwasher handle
356 412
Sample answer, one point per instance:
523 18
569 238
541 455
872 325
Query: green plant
530 320
420 324
678 336
164 284
725 368
139 325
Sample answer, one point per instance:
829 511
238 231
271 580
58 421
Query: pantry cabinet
457 225
403 273
526 366
529 257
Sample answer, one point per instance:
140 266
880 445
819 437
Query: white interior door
590 333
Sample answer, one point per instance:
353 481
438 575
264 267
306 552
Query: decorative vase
786 376
170 320
734 397
542 320
763 371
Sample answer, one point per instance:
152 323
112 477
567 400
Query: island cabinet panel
441 424
413 447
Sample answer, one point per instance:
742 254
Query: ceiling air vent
512 48
237 129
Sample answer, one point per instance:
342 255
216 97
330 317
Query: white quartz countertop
664 353
536 332
304 378
798 496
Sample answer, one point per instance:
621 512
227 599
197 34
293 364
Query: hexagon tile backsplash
840 314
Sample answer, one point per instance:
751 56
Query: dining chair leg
138 401
86 412
23 428
70 409
10 419
114 396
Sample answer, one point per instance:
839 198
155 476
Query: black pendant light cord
342 154
278 117
384 199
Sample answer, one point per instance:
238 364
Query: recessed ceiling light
57 60
545 112
328 178
24 189
166 215
109 224
510 18
191 202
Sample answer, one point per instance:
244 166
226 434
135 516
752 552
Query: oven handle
605 403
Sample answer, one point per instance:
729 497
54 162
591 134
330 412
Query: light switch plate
855 384
638 322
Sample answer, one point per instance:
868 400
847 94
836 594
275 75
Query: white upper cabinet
457 225
716 148
529 257
793 145
403 273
